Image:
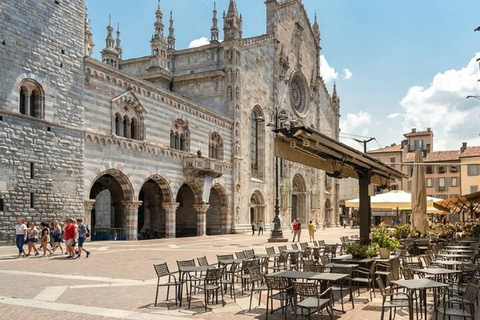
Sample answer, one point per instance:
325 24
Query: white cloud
198 42
444 108
355 124
394 115
347 74
328 73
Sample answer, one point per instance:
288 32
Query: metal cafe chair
257 283
461 306
278 289
211 285
391 299
344 284
307 296
162 271
241 255
249 254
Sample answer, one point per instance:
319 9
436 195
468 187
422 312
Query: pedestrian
254 226
260 227
311 231
45 238
20 236
57 236
296 229
69 236
32 238
82 236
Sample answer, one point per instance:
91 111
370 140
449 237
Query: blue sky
397 64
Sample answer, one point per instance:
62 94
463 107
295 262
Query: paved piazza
118 281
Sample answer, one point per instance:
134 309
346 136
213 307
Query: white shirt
20 229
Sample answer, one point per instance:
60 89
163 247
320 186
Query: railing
199 166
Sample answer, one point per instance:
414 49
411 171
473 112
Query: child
45 238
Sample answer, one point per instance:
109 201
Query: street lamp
476 97
278 116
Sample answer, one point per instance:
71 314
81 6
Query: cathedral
177 143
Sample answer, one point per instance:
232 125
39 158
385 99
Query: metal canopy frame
466 204
312 148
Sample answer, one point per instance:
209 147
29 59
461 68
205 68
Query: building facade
448 173
169 142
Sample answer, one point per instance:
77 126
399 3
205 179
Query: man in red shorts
69 236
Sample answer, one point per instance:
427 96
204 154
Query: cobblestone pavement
118 281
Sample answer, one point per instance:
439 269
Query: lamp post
475 97
278 116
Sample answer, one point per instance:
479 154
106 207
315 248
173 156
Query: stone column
226 219
201 218
131 218
170 221
87 216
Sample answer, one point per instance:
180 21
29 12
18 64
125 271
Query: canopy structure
396 199
312 148
466 206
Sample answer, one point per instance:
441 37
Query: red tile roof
470 152
392 148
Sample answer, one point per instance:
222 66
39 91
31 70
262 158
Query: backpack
87 234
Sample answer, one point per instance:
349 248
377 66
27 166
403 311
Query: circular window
297 95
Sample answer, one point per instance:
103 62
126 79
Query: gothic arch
257 207
222 193
300 209
164 186
123 181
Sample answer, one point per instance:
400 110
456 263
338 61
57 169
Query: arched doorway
186 216
110 190
217 212
299 198
151 214
257 207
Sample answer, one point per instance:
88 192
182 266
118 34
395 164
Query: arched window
215 146
133 129
181 136
118 124
128 121
125 127
256 143
31 99
172 139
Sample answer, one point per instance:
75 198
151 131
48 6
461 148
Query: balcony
199 167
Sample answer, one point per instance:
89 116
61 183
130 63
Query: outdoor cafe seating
296 281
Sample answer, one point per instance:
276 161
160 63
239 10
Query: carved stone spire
214 29
109 41
232 9
232 23
118 46
171 36
88 35
158 23
158 42
316 29
110 55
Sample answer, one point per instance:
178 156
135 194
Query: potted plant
362 250
385 242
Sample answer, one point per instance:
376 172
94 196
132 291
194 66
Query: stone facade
132 144
41 152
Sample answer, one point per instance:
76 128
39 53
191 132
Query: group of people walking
260 226
51 237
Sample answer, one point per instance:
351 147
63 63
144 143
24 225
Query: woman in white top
32 238
20 236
